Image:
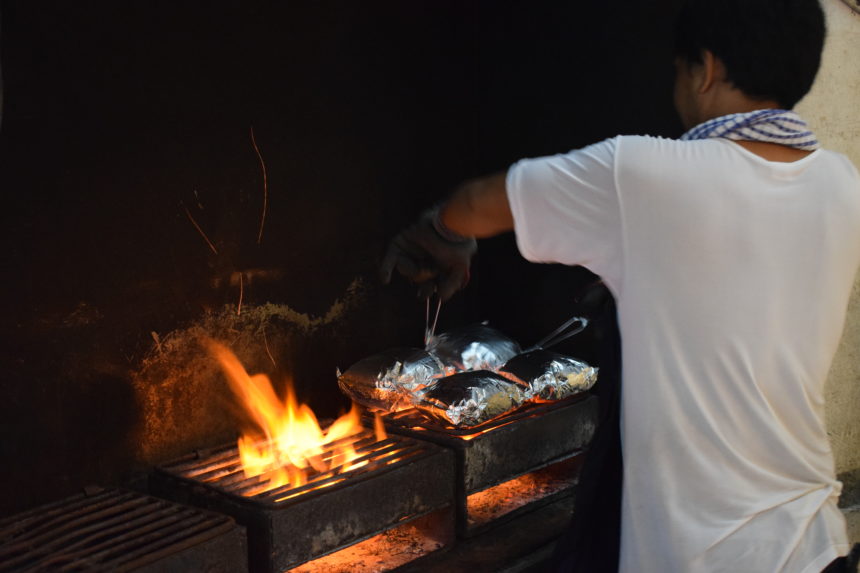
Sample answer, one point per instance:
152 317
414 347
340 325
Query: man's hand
431 256
436 251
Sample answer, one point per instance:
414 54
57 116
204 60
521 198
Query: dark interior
127 136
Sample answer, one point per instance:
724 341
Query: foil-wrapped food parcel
471 398
391 380
396 379
474 347
464 377
549 376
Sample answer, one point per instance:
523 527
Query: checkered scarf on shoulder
768 125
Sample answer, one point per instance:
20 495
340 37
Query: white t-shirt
732 276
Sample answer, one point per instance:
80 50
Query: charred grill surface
119 531
402 479
221 470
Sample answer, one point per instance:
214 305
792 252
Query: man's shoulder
842 161
660 145
632 147
649 153
660 142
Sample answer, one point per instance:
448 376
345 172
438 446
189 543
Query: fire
290 444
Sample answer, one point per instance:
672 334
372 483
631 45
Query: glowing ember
468 437
484 506
289 442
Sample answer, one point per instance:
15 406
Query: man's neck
732 100
723 98
773 151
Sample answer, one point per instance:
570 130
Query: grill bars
391 482
222 471
113 529
411 418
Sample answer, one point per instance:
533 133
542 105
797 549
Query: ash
383 552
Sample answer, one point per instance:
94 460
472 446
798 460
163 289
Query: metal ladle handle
559 335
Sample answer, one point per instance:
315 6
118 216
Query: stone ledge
850 488
852 517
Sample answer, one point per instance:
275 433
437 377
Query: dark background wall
127 123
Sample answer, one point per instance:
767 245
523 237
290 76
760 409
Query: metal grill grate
412 418
399 480
110 530
222 471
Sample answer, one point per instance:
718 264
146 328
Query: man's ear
713 71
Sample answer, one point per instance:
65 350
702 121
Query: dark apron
847 564
592 541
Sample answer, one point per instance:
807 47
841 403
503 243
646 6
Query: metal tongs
561 333
430 330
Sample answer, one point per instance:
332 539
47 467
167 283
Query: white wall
833 110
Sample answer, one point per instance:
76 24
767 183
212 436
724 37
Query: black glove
433 261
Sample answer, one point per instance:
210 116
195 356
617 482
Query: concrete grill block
284 534
528 444
509 447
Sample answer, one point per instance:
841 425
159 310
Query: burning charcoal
548 375
390 380
471 398
476 347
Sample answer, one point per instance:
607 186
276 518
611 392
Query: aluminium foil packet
548 376
474 347
391 380
468 399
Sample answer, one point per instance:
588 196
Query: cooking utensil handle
559 335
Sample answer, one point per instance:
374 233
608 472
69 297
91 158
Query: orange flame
293 443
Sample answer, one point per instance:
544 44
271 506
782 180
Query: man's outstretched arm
479 208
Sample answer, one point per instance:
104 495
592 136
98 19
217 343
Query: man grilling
731 254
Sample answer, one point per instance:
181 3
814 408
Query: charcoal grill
402 480
545 440
116 530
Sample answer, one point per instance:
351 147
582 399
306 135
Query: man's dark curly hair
771 48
